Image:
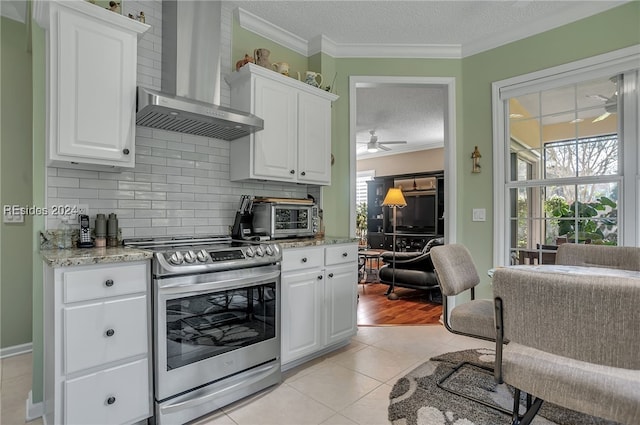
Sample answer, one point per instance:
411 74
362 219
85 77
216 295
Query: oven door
293 220
210 326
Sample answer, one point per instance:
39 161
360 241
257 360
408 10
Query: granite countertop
84 256
326 240
54 257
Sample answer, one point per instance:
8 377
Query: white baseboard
33 411
15 350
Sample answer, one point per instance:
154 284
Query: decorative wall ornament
475 157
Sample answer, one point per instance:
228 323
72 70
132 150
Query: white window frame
624 61
365 174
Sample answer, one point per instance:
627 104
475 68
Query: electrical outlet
479 214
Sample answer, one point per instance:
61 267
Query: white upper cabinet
91 81
295 145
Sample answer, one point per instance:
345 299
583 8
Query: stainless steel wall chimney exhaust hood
188 102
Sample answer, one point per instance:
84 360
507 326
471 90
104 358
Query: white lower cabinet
97 367
112 396
319 294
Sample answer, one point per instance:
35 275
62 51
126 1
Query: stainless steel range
216 307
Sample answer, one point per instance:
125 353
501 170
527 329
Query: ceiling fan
373 145
610 105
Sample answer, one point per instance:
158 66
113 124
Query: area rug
416 399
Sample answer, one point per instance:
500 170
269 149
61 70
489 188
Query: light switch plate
479 214
9 218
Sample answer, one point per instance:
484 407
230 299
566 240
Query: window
362 178
569 142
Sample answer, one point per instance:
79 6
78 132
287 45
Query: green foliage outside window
596 221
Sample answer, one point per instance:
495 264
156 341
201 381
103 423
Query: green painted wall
15 277
616 29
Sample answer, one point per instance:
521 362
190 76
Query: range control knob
259 251
202 255
249 252
268 250
176 258
190 257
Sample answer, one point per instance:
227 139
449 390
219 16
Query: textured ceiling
414 114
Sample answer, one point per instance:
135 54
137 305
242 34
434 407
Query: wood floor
412 308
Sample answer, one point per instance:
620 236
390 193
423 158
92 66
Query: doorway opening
401 125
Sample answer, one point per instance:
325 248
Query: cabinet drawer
100 282
102 332
341 254
113 396
302 258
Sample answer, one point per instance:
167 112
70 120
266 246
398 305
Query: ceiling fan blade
599 97
602 117
396 142
383 147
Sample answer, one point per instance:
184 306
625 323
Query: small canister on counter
112 230
101 230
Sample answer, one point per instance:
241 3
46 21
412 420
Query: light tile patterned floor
349 386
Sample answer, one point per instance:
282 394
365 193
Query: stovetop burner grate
177 241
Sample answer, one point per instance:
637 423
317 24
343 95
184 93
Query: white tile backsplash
180 185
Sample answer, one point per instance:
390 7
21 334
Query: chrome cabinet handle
330 274
319 277
344 254
125 151
111 400
292 172
304 259
109 283
110 332
303 173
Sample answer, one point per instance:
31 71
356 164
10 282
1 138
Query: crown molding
323 44
433 51
14 10
272 32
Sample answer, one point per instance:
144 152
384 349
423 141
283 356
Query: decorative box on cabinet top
91 83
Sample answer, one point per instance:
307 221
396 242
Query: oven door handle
258 374
179 284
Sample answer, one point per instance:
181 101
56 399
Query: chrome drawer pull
110 332
330 274
320 277
344 254
109 283
304 259
111 400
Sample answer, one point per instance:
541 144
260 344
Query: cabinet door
118 395
93 81
302 299
274 148
340 298
106 331
314 137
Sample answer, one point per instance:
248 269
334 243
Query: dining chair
573 341
456 273
590 255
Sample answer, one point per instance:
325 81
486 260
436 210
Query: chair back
590 255
454 268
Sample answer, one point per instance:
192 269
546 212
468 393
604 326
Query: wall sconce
475 157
